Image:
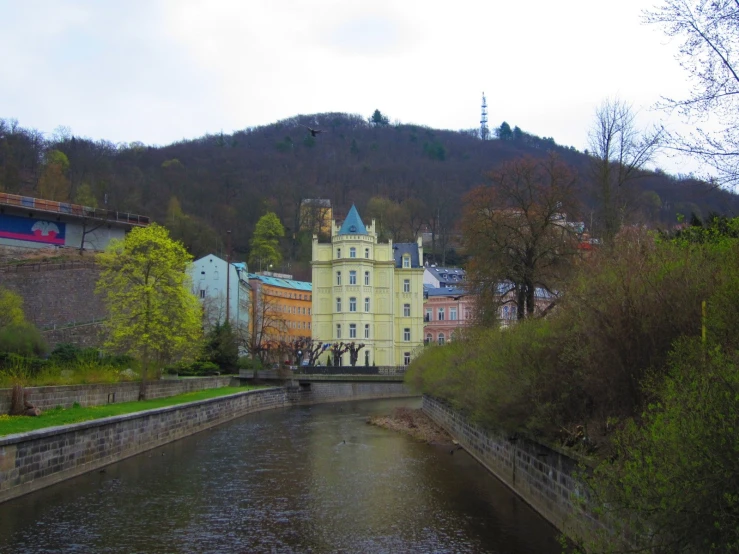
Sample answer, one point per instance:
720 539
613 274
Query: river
305 479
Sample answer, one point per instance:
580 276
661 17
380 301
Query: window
308 311
338 252
352 277
352 304
338 304
366 253
202 293
429 315
338 278
366 357
441 314
441 338
352 330
309 325
366 279
407 334
366 330
352 252
406 310
338 330
453 313
429 338
366 304
406 285
467 312
406 261
406 358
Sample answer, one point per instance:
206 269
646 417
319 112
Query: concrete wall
30 461
543 477
56 293
99 394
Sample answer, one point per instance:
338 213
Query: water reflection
309 479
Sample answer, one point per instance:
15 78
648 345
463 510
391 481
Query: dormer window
406 261
352 228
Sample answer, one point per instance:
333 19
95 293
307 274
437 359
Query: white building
209 280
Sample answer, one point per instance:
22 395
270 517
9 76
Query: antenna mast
484 131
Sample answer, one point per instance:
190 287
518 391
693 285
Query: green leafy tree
153 316
53 183
505 132
16 334
671 485
221 347
265 244
378 119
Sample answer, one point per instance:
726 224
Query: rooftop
282 283
353 224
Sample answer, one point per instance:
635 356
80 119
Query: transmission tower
484 131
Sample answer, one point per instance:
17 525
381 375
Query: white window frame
352 303
407 334
338 278
406 262
338 330
366 330
366 278
406 285
353 277
352 252
338 305
406 310
352 330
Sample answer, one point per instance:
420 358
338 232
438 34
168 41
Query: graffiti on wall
31 229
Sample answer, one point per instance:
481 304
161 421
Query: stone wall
30 461
56 293
543 477
96 395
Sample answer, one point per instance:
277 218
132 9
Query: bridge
379 374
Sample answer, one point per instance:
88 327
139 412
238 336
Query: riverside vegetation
630 370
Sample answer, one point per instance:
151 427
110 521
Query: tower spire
484 131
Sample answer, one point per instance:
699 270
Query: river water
305 479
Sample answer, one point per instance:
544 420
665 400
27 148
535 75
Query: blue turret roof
353 224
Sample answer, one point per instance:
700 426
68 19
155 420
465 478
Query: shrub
22 338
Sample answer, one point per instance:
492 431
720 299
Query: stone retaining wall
30 461
543 477
99 394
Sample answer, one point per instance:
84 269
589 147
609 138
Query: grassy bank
60 416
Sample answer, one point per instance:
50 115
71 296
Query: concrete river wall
543 477
33 460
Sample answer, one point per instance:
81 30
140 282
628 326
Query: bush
195 369
23 339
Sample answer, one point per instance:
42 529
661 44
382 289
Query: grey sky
162 70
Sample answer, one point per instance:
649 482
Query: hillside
225 182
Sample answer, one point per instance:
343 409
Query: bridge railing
352 370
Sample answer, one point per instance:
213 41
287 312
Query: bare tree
517 234
709 30
619 152
267 326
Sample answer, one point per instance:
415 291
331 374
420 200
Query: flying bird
313 132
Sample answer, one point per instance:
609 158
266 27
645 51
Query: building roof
282 283
402 248
447 275
353 224
446 291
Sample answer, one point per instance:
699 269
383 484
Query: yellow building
368 292
316 216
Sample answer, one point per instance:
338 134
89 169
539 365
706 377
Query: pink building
446 310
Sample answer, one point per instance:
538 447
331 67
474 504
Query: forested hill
203 187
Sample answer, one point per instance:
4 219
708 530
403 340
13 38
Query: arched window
441 338
338 330
429 338
366 253
338 252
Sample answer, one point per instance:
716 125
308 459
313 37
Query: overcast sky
158 71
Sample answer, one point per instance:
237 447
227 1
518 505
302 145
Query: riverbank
414 423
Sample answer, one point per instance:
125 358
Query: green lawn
60 416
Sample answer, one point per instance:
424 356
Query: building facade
288 303
209 280
446 311
368 292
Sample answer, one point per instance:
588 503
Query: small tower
484 131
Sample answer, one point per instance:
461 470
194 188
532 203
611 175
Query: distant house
316 216
285 301
446 310
436 277
209 280
27 222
